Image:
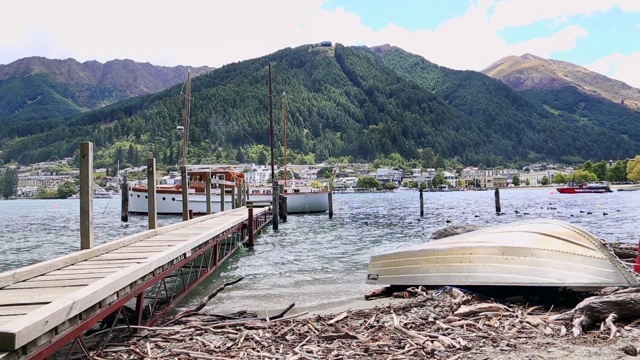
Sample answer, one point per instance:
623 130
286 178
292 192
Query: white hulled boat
529 253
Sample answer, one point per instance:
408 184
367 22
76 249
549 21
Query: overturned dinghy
528 253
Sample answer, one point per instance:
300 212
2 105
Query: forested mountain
564 124
530 72
38 88
355 103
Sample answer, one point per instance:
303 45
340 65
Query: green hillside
520 125
342 102
19 97
574 106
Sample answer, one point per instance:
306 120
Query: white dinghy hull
529 253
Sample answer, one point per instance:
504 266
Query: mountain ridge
30 87
531 72
353 103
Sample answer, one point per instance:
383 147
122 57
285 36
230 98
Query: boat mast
273 176
284 135
274 183
185 121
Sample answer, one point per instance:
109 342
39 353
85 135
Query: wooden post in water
330 204
222 192
245 192
151 193
124 200
251 227
86 195
497 194
421 203
282 203
233 196
207 187
184 180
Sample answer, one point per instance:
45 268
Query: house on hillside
387 175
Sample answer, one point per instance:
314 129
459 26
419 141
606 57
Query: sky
601 35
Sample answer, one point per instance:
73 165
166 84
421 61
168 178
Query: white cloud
620 67
563 40
471 42
196 32
214 33
515 13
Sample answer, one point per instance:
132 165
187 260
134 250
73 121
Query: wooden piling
207 187
274 204
497 195
241 195
330 204
282 203
151 193
282 207
222 192
86 195
233 197
251 228
185 192
421 203
124 200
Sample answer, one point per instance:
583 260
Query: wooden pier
47 306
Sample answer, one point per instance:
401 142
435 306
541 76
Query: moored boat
529 253
584 188
300 200
169 195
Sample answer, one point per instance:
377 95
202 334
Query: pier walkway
47 306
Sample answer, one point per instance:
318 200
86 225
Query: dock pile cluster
434 324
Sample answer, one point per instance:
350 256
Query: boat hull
301 203
530 253
170 203
585 190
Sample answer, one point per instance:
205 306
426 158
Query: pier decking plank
50 277
40 285
141 249
125 256
27 296
80 271
94 266
8 318
17 309
46 295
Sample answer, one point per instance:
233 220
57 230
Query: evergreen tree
10 182
66 189
544 181
618 172
368 182
516 180
438 179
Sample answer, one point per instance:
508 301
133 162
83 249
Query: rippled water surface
313 259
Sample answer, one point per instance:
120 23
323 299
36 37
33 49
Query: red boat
583 188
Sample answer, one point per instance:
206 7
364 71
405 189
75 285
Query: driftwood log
204 301
623 304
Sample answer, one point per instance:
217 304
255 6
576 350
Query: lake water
312 259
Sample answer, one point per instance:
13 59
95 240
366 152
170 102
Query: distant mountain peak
531 72
528 56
